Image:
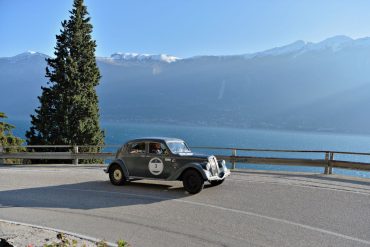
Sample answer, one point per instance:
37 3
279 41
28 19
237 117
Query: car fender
196 166
121 164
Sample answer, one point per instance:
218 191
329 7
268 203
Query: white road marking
312 228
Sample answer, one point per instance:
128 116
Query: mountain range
322 86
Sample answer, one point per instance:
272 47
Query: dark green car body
166 164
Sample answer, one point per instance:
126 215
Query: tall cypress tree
68 113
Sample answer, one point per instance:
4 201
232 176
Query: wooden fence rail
74 154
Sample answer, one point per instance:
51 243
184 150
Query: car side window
137 148
157 148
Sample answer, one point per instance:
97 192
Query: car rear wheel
216 182
116 175
193 182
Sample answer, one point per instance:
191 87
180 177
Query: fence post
330 164
327 163
75 151
233 159
1 152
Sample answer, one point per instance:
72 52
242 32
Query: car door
135 159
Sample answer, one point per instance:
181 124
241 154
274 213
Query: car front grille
214 167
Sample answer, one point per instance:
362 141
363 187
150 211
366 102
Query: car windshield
178 147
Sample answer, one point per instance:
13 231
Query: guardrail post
1 152
75 151
233 159
327 163
330 164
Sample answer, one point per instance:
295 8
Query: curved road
250 209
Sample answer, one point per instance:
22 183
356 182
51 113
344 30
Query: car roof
155 139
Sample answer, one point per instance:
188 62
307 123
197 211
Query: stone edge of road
77 235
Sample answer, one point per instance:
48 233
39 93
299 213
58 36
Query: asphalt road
249 209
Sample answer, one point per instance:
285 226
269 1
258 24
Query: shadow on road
91 195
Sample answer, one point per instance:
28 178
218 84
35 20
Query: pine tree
7 140
68 113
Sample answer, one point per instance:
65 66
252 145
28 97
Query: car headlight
221 163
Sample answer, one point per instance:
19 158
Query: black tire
116 175
193 182
216 182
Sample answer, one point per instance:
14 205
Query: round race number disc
155 166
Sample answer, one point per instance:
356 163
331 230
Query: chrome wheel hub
117 174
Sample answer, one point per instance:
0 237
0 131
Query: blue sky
183 28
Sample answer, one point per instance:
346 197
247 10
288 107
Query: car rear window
136 148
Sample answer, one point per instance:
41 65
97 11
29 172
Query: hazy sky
183 27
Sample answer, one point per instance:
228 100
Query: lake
118 133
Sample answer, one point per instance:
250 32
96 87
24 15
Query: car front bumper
224 172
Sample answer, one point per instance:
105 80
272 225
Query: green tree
7 140
68 113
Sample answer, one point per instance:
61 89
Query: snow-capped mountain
293 47
120 57
117 57
299 47
333 44
300 86
25 56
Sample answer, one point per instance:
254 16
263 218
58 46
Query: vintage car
165 159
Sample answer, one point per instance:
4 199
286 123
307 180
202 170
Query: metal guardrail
74 154
328 162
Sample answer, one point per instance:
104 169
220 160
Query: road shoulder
21 234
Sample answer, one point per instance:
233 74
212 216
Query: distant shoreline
111 122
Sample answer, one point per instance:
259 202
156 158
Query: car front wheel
116 175
193 182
